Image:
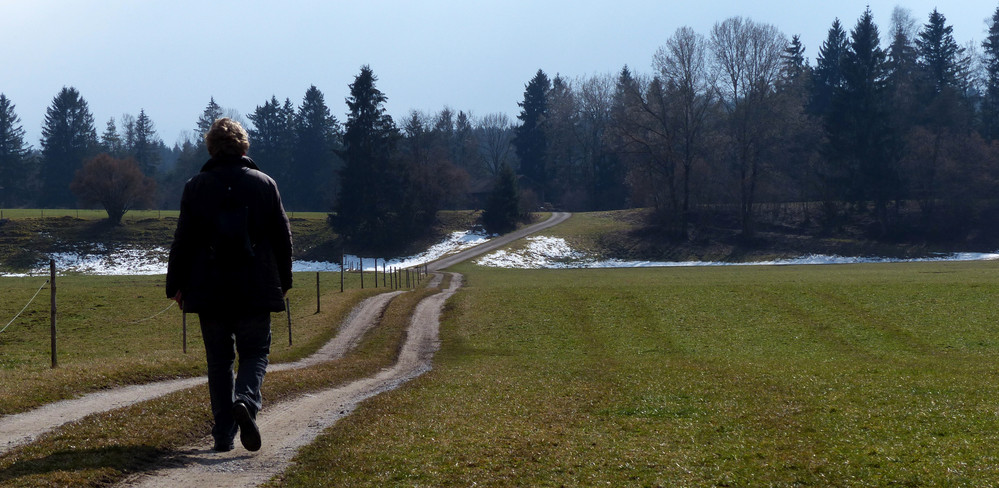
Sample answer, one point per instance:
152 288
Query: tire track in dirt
289 425
23 428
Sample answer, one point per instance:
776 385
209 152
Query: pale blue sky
168 57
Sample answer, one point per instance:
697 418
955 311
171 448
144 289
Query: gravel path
287 426
23 428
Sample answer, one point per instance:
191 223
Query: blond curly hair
227 138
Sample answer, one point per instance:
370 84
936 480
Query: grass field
859 375
119 330
103 448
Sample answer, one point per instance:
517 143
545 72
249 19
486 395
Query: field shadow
120 459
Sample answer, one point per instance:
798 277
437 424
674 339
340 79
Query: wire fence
153 316
25 306
396 278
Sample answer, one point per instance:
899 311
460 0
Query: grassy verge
746 376
113 331
104 448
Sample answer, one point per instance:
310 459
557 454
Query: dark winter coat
232 249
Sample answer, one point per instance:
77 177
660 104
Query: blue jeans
224 336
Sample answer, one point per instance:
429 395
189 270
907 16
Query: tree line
900 127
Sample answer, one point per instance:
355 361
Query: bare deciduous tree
495 142
748 61
683 65
117 184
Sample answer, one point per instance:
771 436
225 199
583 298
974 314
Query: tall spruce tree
68 137
211 113
13 155
990 108
828 74
146 145
859 130
273 141
938 54
111 141
793 65
313 172
530 137
373 211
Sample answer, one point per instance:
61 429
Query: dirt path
23 428
447 261
290 425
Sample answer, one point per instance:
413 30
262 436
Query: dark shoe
248 433
223 447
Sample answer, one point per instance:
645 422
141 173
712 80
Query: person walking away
230 262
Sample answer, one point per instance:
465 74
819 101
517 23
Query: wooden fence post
341 273
287 309
317 292
183 325
362 271
52 280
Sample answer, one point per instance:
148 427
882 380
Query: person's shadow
103 464
121 459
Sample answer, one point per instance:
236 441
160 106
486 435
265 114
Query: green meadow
857 375
103 448
838 375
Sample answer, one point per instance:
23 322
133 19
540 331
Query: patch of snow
553 252
540 253
154 261
101 262
457 241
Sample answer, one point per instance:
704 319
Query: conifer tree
272 145
938 54
859 130
13 155
828 74
376 209
793 66
211 113
990 108
111 141
531 138
146 145
68 137
312 172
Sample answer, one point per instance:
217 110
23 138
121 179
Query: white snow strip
457 241
120 262
540 253
154 261
553 252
